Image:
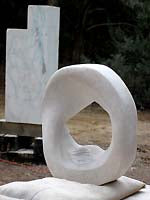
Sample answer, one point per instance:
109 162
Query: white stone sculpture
59 189
70 90
31 58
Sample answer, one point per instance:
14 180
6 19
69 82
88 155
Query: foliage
131 58
113 32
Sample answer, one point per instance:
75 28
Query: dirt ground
91 126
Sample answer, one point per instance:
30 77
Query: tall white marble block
31 58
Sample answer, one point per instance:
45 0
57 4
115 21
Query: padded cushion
60 189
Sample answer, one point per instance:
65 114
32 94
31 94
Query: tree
131 58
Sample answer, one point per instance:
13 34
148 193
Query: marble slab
60 189
31 58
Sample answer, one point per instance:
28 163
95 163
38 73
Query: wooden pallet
21 129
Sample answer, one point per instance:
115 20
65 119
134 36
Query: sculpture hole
91 125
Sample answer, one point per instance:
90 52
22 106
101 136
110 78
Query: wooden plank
21 129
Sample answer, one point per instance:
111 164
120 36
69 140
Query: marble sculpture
85 167
70 90
31 58
80 171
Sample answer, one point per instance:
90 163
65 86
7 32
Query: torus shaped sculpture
70 90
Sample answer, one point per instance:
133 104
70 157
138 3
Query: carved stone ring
70 90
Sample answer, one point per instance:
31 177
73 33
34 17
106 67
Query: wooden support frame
20 129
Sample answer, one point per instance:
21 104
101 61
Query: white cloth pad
60 189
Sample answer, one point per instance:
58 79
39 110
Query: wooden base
21 129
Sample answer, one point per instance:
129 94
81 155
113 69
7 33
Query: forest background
115 33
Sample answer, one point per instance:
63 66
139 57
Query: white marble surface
31 58
59 189
70 90
143 194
